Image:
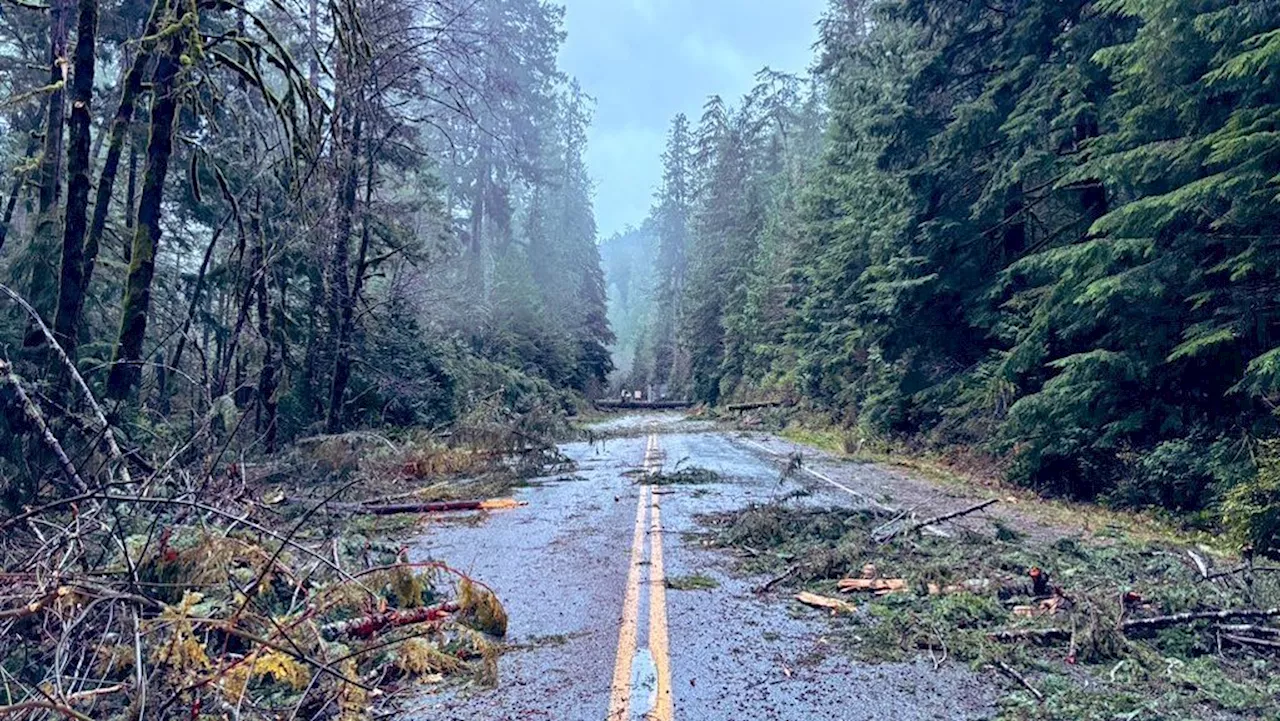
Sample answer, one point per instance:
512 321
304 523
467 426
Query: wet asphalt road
563 566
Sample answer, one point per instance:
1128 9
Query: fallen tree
758 405
494 504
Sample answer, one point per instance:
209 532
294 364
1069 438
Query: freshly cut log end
834 605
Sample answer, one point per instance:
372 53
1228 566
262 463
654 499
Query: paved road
599 636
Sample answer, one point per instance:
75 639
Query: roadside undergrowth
972 473
1091 633
259 589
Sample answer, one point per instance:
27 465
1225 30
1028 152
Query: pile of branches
151 587
164 605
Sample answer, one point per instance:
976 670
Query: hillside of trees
1043 229
274 221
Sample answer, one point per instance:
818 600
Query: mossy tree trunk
339 272
127 357
19 178
71 287
346 327
43 277
120 123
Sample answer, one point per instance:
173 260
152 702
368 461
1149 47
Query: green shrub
1251 510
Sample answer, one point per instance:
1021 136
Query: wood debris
878 586
369 626
495 504
835 605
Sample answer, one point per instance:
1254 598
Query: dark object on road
690 476
494 504
628 405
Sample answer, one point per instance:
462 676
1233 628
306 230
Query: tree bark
342 361
339 280
125 370
15 190
71 286
132 87
43 278
267 375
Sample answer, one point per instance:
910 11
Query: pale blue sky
646 60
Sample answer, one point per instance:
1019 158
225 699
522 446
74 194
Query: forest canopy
1043 230
308 217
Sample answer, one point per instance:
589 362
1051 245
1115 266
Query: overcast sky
646 60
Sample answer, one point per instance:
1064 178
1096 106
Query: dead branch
370 626
768 585
1251 641
108 436
1249 628
1139 625
496 504
25 706
1177 619
1008 670
942 519
36 418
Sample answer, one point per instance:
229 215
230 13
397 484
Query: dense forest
1040 229
289 220
264 266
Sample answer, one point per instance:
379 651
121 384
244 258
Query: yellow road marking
620 696
659 646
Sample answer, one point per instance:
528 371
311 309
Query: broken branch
497 504
370 626
942 519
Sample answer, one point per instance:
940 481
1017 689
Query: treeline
246 222
1043 228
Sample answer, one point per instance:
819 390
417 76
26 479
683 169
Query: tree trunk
175 360
15 190
132 87
476 261
43 279
267 376
339 280
125 361
342 361
71 287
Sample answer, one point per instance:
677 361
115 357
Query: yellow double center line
628 635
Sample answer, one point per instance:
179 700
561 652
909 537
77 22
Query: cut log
878 586
367 627
834 605
496 504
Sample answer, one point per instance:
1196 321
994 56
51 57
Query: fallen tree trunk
1141 624
739 407
643 405
1177 619
495 504
369 626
